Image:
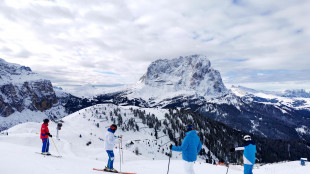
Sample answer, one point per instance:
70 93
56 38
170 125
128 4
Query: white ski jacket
110 140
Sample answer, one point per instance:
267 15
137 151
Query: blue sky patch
298 31
106 72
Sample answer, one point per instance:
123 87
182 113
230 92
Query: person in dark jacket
190 148
249 150
45 133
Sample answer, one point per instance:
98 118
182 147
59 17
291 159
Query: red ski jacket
44 131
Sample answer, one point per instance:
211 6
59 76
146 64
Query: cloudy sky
261 44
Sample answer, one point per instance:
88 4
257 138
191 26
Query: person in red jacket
45 133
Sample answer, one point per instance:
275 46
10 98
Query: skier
45 133
110 141
249 150
190 148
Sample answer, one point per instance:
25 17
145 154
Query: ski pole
120 160
170 154
227 165
55 146
122 150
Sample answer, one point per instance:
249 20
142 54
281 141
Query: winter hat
189 127
247 138
46 120
113 127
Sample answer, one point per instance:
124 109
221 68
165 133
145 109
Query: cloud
124 37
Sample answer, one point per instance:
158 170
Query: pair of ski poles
121 157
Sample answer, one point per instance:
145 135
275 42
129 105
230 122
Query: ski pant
248 169
111 159
46 145
189 167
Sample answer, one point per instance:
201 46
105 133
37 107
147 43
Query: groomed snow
18 157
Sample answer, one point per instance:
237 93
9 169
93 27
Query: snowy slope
18 152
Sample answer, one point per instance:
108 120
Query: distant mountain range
187 82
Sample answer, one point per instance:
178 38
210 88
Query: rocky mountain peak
191 73
21 89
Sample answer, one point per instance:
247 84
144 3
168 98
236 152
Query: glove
232 149
49 134
169 154
170 147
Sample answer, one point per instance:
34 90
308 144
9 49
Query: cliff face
189 73
20 89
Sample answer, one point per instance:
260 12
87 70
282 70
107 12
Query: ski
49 155
102 170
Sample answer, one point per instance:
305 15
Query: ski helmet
46 120
189 127
113 127
247 138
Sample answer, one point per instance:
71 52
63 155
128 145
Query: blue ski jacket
249 150
190 147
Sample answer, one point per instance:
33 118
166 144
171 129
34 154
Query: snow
30 116
18 149
303 129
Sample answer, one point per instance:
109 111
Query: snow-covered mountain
189 74
25 96
297 99
190 83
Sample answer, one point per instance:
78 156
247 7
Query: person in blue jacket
249 150
190 148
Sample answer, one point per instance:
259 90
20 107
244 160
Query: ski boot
113 170
106 169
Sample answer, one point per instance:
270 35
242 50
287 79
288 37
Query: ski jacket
44 131
190 147
110 140
249 150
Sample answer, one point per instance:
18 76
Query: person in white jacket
110 141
